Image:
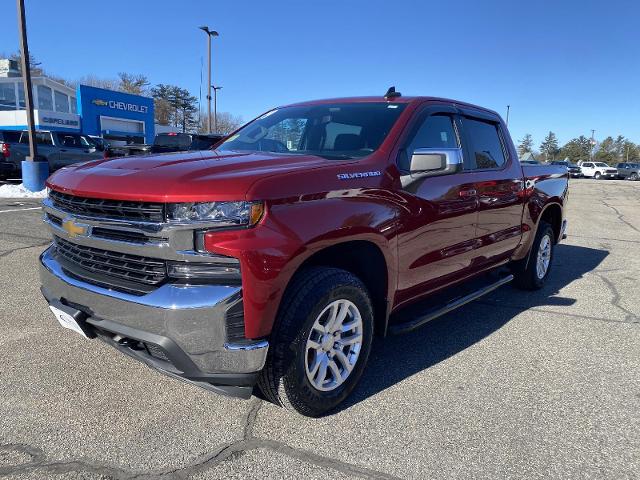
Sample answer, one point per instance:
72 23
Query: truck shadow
396 358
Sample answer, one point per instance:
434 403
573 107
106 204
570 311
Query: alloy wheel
544 257
333 345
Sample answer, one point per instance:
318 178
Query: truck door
74 148
436 242
498 181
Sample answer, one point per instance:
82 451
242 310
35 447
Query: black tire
284 380
633 176
526 275
597 176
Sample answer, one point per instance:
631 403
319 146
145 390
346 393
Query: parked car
274 259
629 171
180 142
60 149
598 170
115 150
574 170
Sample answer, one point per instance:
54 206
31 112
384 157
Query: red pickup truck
272 260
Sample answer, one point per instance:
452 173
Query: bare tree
95 81
227 122
133 83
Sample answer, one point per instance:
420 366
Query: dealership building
116 116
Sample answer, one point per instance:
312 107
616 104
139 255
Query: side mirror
428 162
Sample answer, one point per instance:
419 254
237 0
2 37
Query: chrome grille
116 209
133 269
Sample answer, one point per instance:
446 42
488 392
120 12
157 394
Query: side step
428 315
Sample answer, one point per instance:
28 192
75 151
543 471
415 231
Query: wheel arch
367 261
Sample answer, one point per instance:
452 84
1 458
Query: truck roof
401 99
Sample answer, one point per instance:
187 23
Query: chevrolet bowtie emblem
75 229
100 103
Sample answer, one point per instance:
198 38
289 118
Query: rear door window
42 138
485 144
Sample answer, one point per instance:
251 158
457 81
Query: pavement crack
252 414
325 462
6 253
620 216
615 301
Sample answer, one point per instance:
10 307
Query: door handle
468 192
63 150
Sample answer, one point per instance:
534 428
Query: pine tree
606 151
525 145
577 149
549 147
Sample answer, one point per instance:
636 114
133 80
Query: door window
485 144
436 131
73 140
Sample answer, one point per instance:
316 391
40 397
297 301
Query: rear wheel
534 275
320 342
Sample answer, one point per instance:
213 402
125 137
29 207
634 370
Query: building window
45 102
21 102
74 105
62 102
7 96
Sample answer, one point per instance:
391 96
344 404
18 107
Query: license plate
67 321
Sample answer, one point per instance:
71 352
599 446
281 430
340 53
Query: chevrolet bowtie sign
129 107
74 229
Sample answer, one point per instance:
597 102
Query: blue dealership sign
115 114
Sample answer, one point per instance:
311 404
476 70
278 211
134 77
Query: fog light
229 269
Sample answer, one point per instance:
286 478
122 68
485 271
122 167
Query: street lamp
215 107
210 33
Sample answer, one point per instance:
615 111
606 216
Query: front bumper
177 329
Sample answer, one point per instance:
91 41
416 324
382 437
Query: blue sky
567 66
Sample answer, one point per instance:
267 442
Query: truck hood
178 177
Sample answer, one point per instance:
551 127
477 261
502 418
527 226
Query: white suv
598 170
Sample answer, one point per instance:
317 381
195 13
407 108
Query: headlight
221 214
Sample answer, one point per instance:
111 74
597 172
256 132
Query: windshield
600 164
173 140
341 130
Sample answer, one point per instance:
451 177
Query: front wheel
534 275
597 176
320 342
633 176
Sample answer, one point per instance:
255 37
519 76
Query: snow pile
18 191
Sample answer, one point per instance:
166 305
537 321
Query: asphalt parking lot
517 385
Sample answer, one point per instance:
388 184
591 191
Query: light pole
508 108
210 33
34 173
215 107
593 144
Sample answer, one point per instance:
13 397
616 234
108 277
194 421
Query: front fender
291 232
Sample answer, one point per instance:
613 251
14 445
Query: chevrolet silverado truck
60 149
271 261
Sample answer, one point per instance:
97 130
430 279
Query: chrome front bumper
186 321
